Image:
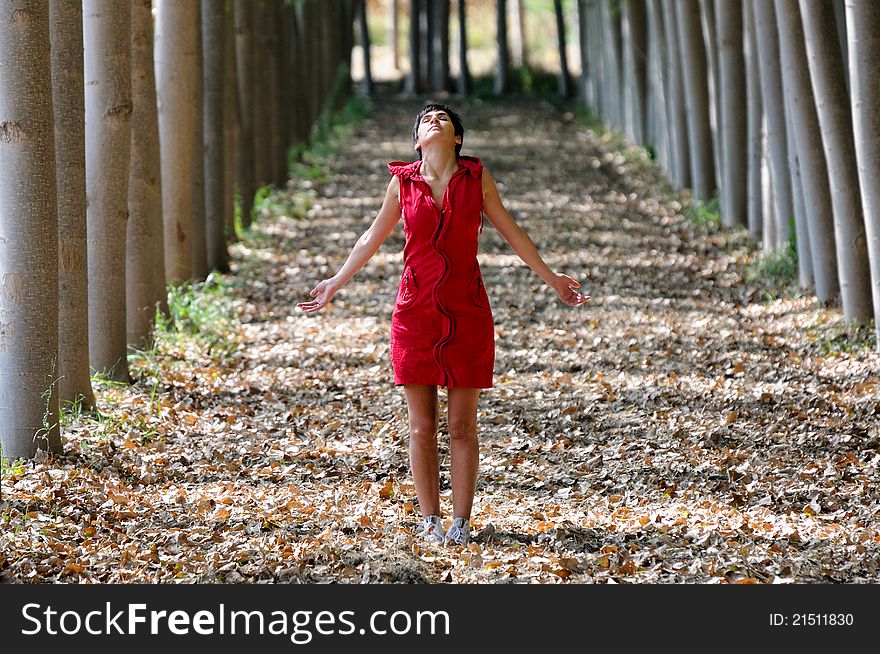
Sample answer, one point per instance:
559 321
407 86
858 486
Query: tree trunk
680 151
585 83
213 105
710 38
260 92
277 121
413 79
230 126
199 240
612 65
774 109
801 109
658 65
502 63
833 108
464 75
806 277
697 99
365 45
843 43
437 45
595 49
564 76
107 67
519 50
174 57
29 225
863 26
755 157
733 120
74 385
394 32
145 247
244 145
635 46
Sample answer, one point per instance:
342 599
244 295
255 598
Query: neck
438 162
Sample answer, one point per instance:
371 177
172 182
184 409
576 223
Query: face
436 127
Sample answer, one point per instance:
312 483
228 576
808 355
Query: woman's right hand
322 294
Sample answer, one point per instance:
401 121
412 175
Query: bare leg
421 404
464 449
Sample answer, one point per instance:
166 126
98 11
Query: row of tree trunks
762 104
119 156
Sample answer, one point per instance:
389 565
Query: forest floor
693 423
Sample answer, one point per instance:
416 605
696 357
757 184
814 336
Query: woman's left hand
566 287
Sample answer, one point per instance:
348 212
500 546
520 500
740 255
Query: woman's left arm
522 244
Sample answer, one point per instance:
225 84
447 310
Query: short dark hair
454 117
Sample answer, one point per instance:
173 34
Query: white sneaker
432 530
459 532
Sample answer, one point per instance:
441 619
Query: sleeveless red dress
442 332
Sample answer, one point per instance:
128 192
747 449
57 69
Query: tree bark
519 50
200 250
774 109
697 99
393 32
438 45
74 384
230 125
365 45
732 130
174 57
502 63
658 66
413 79
107 68
680 151
806 276
29 225
564 76
464 75
863 26
213 133
145 247
833 108
612 65
709 23
586 80
801 109
635 46
244 146
262 76
755 148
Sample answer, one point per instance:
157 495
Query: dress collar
406 170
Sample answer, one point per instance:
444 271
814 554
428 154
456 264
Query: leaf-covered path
685 426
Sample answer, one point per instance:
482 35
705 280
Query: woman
442 332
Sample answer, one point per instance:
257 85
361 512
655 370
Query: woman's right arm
363 250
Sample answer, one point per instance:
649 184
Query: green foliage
8 467
704 214
779 264
523 80
844 338
201 320
310 160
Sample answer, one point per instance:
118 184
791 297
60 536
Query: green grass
201 321
522 80
779 265
844 338
704 214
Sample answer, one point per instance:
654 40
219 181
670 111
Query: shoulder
403 169
472 164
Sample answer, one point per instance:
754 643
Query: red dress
442 332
